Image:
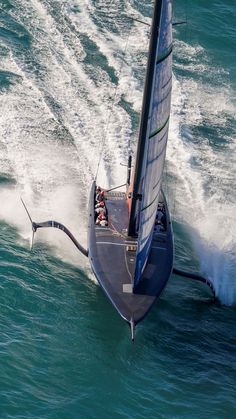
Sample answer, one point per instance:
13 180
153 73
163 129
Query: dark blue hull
112 257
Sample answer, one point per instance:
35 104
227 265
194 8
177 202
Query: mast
136 195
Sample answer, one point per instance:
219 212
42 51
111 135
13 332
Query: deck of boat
112 256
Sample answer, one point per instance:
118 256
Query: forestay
153 133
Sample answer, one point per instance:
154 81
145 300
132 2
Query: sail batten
165 54
153 134
160 128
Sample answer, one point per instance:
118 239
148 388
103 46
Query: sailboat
132 258
132 254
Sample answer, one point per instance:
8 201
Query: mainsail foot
54 224
197 277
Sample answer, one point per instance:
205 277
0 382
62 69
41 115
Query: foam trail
205 202
48 133
63 106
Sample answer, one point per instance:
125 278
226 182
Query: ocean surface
71 80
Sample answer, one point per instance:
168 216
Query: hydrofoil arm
54 224
194 276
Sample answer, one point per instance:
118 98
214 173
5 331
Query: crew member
101 219
100 207
100 196
159 216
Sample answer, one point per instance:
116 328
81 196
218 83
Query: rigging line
165 182
134 133
110 113
140 21
167 188
174 196
186 19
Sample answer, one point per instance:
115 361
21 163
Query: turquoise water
71 74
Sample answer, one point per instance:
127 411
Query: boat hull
112 256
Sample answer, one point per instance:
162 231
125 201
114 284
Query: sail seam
158 155
159 129
164 55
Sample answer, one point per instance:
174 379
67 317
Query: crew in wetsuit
100 207
100 196
161 217
102 220
100 210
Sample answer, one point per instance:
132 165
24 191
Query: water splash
201 158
